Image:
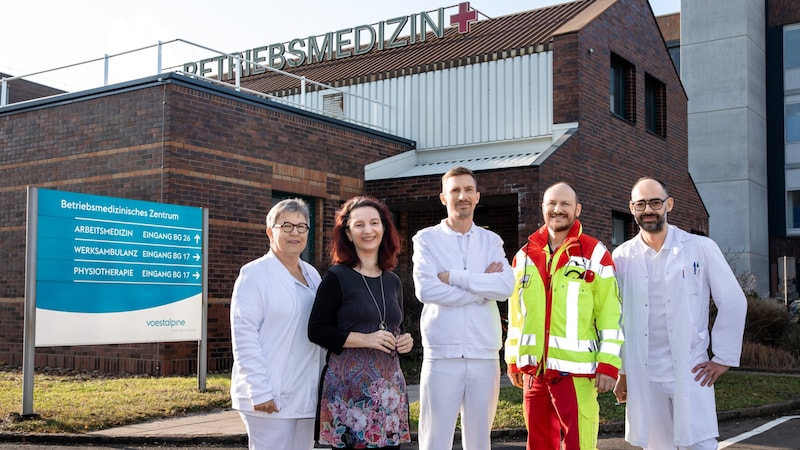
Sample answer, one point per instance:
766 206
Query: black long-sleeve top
343 304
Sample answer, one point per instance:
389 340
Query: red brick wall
782 12
601 160
221 151
607 154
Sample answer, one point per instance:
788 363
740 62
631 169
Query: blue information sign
127 260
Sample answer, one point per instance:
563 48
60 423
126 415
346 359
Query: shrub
767 322
791 340
760 356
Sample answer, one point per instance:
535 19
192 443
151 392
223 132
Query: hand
603 383
495 267
516 379
381 340
621 389
444 277
404 343
268 407
709 371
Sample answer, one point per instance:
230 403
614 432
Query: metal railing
375 107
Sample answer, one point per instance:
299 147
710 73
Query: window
622 229
793 210
623 88
793 122
308 253
333 104
655 106
674 48
791 47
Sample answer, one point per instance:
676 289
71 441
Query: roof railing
374 105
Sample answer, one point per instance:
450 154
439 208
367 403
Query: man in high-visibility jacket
564 333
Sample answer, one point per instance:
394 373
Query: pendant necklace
381 316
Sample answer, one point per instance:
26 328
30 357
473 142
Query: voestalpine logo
387 34
166 323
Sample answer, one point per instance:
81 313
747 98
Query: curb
613 428
96 439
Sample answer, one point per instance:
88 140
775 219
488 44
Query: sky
38 35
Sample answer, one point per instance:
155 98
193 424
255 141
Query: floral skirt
363 401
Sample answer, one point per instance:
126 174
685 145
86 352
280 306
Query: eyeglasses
289 226
655 203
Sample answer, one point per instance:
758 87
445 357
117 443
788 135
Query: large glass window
793 122
655 106
623 88
791 47
793 210
308 253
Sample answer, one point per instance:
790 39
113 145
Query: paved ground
224 429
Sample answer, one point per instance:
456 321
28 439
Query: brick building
174 140
584 92
524 101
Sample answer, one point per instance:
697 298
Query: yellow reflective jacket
565 308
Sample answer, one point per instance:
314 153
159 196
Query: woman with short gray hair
276 368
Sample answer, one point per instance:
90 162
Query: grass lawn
81 403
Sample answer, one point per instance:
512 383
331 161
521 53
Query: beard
562 227
652 227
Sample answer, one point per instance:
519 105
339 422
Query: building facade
740 67
583 92
175 140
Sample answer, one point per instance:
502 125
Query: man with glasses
666 277
564 333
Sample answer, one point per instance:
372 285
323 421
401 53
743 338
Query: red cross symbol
464 17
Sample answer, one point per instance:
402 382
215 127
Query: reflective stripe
611 335
610 348
527 339
570 366
526 360
598 253
573 345
571 327
605 272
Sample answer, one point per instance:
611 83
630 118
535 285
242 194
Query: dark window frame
655 106
622 89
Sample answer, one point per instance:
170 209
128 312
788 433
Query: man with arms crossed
666 276
460 273
564 333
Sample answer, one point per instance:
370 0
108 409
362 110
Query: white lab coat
695 270
265 316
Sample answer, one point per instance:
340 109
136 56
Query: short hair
343 251
289 205
663 185
577 198
456 171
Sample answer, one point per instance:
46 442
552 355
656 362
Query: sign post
104 270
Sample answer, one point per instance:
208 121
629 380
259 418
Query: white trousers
269 433
450 386
662 426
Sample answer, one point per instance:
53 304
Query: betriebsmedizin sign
111 270
333 45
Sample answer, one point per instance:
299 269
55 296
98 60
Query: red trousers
561 412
